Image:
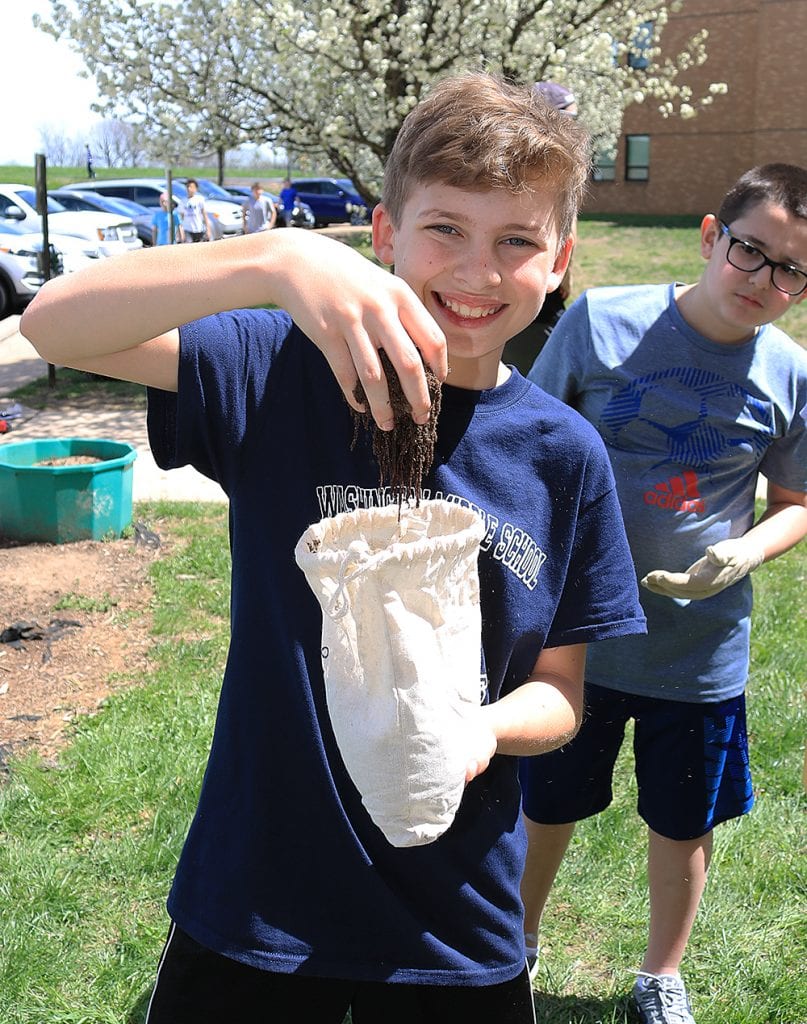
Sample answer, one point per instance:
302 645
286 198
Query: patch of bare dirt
89 603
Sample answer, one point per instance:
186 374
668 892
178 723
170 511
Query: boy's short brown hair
784 185
477 131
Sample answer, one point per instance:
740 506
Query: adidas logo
680 493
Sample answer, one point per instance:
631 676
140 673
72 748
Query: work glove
723 564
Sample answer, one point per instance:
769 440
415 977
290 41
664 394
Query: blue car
332 200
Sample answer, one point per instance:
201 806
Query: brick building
677 166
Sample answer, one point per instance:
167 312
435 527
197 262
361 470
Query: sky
42 87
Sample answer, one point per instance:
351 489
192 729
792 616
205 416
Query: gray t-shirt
258 213
688 424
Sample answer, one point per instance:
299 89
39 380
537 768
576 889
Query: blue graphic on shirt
655 413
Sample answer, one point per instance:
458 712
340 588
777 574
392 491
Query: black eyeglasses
744 256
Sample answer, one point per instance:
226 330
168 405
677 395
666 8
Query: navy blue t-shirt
283 868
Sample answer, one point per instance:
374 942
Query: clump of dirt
73 615
405 453
70 460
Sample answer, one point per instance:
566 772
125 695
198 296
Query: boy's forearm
783 524
545 712
121 302
539 716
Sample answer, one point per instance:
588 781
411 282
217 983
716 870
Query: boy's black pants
197 986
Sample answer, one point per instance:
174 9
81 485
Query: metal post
41 185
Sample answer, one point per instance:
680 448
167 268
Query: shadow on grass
553 1009
78 386
137 1014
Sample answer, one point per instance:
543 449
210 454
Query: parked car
333 200
86 200
21 272
225 216
110 232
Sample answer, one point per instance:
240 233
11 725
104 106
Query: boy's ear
383 235
710 235
564 254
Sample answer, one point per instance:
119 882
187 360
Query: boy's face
480 261
191 187
742 300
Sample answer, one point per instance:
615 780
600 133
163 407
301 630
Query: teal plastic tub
62 503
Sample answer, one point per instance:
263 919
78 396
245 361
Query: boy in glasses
289 904
695 393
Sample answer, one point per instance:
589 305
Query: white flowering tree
165 68
335 78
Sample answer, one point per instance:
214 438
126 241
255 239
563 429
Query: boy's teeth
469 311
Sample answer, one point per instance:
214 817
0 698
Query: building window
637 157
638 54
604 166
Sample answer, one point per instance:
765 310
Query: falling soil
405 453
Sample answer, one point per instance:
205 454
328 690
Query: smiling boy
287 898
695 393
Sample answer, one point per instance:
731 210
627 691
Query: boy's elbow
567 733
29 323
36 320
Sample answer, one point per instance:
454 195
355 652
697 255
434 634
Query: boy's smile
481 261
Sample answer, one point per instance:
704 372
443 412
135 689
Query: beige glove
723 564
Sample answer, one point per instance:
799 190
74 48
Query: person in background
288 197
695 394
161 225
258 212
195 221
522 350
90 164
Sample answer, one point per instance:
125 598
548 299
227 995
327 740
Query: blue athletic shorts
691 764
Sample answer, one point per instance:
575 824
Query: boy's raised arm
120 316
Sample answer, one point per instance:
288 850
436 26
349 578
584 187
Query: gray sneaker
662 999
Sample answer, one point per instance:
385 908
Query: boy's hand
481 744
723 564
351 308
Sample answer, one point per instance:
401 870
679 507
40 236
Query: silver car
139 215
21 271
111 233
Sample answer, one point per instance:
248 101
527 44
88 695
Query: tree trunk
220 152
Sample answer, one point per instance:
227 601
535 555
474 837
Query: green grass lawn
88 848
58 177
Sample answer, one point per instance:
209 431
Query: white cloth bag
401 643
